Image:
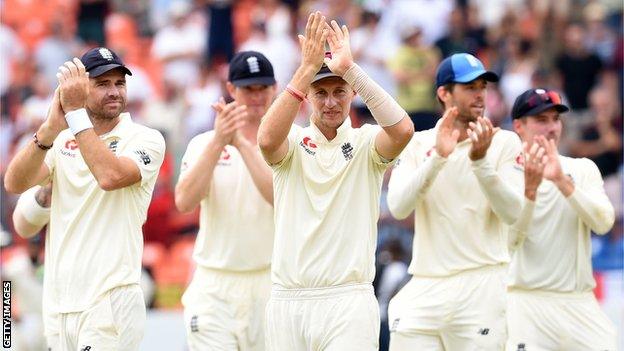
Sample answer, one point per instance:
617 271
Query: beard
102 112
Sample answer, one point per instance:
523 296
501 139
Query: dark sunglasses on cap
540 98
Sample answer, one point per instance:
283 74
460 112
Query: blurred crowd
178 52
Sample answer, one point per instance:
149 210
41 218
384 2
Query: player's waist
572 295
280 293
478 270
229 274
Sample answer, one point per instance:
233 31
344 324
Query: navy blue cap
250 68
98 61
462 68
535 101
324 72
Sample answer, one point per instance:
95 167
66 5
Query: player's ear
517 125
230 88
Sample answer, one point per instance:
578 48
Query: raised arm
534 162
397 128
261 173
589 201
500 186
409 183
32 211
110 171
194 182
276 123
27 167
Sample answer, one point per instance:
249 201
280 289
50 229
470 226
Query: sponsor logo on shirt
347 151
69 149
394 325
308 145
521 347
224 159
484 331
71 144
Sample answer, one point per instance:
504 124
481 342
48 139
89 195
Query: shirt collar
118 130
340 133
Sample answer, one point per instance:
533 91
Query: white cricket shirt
326 208
461 207
552 239
236 222
95 241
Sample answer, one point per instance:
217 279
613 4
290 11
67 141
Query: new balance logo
194 326
144 157
521 347
484 331
86 348
395 324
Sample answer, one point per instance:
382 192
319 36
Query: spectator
370 49
91 14
55 49
579 68
602 140
220 39
462 38
518 67
414 68
179 46
35 108
274 47
201 115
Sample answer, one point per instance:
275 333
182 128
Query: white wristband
30 209
78 120
383 107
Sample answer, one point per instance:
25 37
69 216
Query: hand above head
338 40
481 133
447 136
230 118
313 43
74 85
535 160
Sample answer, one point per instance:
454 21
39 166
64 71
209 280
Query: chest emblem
347 151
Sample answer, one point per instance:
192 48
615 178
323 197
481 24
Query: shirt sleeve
193 150
501 185
371 133
520 229
410 180
590 201
292 143
147 150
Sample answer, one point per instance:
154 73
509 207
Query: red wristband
297 94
